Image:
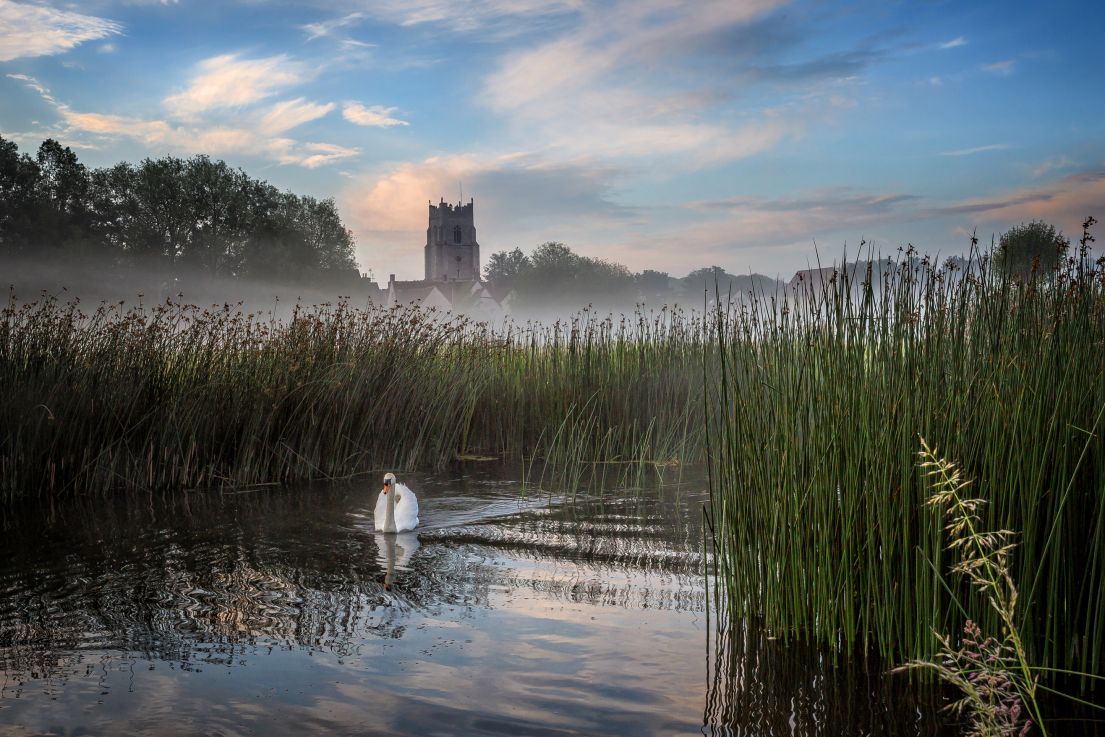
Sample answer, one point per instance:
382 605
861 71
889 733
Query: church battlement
452 252
447 209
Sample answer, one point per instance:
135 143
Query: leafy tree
506 266
1027 249
560 278
19 176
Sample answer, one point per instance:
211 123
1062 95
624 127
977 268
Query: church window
457 234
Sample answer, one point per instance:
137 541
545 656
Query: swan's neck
389 516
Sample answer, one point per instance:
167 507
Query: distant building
812 278
452 252
452 269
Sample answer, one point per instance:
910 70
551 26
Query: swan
396 507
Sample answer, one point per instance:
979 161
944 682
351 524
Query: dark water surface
269 613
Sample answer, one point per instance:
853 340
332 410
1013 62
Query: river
281 612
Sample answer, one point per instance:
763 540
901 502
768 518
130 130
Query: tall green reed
814 415
175 396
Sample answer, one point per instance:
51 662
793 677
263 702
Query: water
281 612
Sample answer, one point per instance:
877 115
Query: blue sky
662 134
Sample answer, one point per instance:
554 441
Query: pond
281 612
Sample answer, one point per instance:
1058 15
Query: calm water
281 612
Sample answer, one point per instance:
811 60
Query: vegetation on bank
171 216
553 276
176 397
817 508
806 405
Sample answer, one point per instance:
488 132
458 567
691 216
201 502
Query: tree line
167 215
552 275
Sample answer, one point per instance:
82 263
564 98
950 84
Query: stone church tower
452 253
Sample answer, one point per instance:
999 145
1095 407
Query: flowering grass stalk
992 673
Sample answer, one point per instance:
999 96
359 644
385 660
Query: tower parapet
452 252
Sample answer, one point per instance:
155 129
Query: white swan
396 507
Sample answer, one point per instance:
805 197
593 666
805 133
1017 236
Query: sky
756 135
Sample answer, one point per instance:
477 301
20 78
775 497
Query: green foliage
816 401
173 215
178 397
1035 248
505 267
556 276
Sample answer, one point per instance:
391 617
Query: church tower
452 253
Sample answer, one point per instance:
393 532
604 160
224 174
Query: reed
175 396
806 407
816 507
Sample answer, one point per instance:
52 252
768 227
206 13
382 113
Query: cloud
34 30
621 84
521 199
227 81
503 17
836 65
375 116
314 155
1000 68
1064 201
252 135
954 43
1052 164
977 150
289 114
327 28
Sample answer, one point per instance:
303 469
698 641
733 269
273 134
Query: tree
177 216
1028 249
557 277
19 176
506 266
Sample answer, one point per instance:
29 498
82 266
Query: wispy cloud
254 134
228 81
1000 68
290 114
375 116
1064 201
620 85
1053 164
36 30
327 28
501 17
954 43
977 150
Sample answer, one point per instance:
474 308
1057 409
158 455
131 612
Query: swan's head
389 482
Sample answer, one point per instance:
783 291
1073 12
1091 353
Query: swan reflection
395 550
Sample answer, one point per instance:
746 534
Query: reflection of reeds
759 685
178 397
816 509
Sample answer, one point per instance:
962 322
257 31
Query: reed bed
178 397
817 504
806 406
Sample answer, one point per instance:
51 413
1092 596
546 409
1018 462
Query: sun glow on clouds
292 113
33 30
227 81
255 133
376 116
